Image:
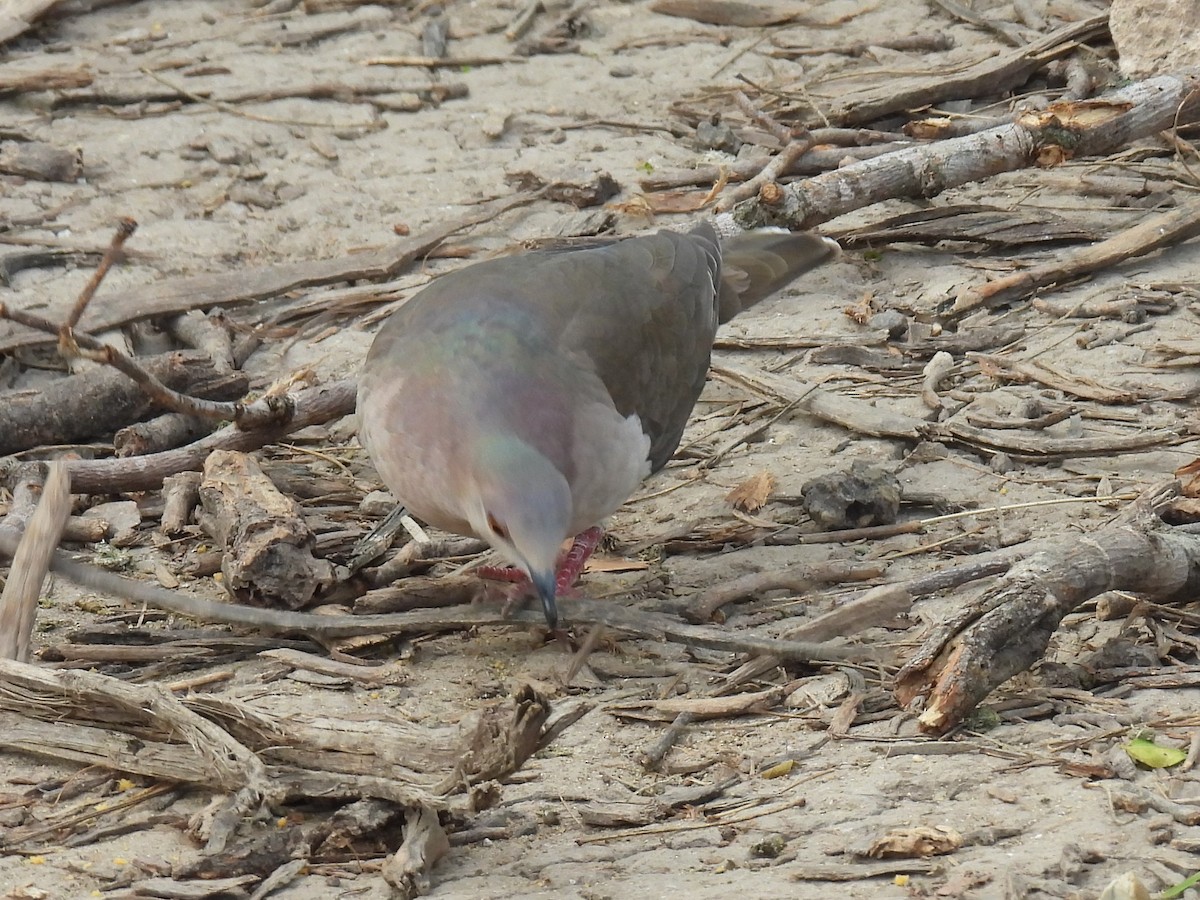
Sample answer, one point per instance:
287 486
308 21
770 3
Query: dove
524 398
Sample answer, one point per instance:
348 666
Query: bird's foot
569 568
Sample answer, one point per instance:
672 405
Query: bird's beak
545 583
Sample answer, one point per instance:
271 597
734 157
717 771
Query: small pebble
717 136
1001 463
1031 408
769 847
891 321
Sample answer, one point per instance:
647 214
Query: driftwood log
1044 137
1007 629
259 759
268 548
86 406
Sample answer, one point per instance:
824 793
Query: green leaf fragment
1153 756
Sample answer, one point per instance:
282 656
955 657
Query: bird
524 398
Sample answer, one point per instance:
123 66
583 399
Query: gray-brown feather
756 264
631 322
649 330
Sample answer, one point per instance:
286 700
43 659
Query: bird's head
522 507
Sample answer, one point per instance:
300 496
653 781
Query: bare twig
18 604
929 42
651 760
441 62
1153 233
125 231
796 578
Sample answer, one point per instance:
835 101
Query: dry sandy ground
218 189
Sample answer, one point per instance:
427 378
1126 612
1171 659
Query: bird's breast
422 417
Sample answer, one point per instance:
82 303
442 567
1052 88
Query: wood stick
929 42
22 80
797 578
441 62
1152 233
1008 629
18 603
1044 137
83 407
992 75
816 160
309 407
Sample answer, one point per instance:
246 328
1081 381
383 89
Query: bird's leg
570 564
502 573
569 567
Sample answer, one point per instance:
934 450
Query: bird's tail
755 264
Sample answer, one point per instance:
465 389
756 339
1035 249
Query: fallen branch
1154 232
991 76
1008 629
818 159
1045 137
214 757
97 720
889 601
582 613
313 406
127 92
85 406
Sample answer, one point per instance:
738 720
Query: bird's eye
497 527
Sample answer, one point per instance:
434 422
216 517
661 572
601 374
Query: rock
893 322
866 495
1154 37
717 136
